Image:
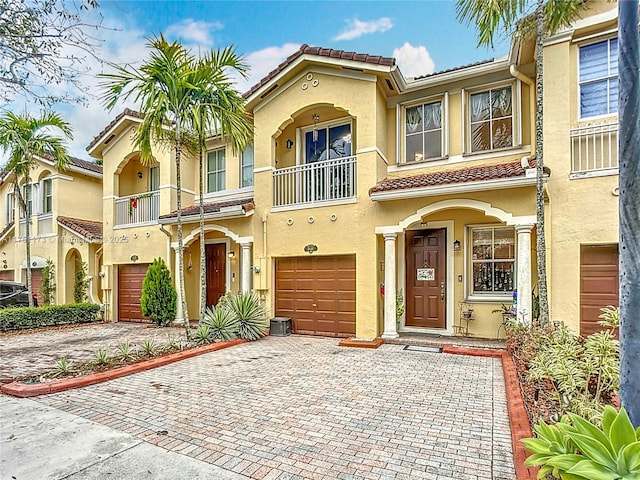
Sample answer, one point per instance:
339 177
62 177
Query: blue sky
424 36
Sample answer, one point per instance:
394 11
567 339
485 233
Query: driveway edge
24 390
518 418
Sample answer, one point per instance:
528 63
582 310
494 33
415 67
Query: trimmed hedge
48 316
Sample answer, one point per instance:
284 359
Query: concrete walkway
303 408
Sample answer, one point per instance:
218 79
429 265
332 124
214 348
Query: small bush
222 323
250 313
48 289
81 283
158 301
33 317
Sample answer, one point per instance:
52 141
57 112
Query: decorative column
390 286
179 313
524 313
246 267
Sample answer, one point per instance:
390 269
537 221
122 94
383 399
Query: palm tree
549 17
162 86
24 138
629 139
219 111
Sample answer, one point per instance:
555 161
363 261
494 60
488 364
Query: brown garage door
598 283
318 293
36 282
6 275
130 278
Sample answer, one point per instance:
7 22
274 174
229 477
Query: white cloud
356 28
414 61
193 31
261 62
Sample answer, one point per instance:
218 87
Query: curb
518 418
24 390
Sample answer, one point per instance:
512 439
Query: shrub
48 289
202 335
158 301
222 323
248 309
33 317
81 284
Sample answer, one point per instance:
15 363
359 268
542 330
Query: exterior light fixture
314 134
289 144
139 174
232 254
456 246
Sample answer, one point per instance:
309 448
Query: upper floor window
216 171
10 208
246 167
423 132
491 119
47 196
493 256
599 78
154 178
326 143
32 190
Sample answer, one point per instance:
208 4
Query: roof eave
96 143
79 235
227 214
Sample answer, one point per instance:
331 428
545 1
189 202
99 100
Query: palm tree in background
513 16
24 138
163 88
219 111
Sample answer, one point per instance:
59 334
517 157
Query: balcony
137 209
594 148
315 183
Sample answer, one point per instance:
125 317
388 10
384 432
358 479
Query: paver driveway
302 407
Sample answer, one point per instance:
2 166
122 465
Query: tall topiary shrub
81 284
48 289
158 301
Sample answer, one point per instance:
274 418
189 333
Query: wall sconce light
134 258
232 254
456 246
189 263
289 144
314 134
139 174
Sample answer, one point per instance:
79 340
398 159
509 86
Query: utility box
280 327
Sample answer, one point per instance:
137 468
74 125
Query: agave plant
202 335
125 351
100 357
63 366
149 348
250 313
222 322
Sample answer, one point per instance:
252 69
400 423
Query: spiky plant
125 352
222 322
250 313
202 335
149 348
100 357
63 366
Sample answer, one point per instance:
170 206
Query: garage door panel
599 284
322 299
130 279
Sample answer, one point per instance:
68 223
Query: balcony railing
139 208
594 147
311 183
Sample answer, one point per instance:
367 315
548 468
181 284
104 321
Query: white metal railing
594 147
311 183
45 224
138 208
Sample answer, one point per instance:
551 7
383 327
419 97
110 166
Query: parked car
13 294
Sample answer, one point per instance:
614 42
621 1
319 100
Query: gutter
225 212
532 103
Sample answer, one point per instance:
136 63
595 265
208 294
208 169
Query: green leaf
631 454
571 476
566 461
537 459
608 416
622 432
587 429
593 450
536 445
592 471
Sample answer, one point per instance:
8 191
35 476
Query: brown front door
216 272
130 278
426 278
599 284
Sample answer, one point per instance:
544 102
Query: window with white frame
246 167
33 194
47 196
423 132
493 255
10 207
216 171
327 143
599 78
491 119
154 178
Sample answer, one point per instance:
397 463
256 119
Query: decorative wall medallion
289 221
309 76
333 217
310 248
615 191
315 83
311 219
305 85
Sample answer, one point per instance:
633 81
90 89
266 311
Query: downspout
532 103
168 234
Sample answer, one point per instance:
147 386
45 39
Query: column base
390 335
361 342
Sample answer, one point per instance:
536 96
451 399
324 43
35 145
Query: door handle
442 291
314 305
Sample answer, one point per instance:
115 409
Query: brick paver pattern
304 408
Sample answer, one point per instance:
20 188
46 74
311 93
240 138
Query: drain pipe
168 234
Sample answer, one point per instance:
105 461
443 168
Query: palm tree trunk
27 240
183 298
203 254
541 246
629 167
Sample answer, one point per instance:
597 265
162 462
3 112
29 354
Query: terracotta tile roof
321 52
454 69
246 203
6 229
86 165
125 113
86 228
469 174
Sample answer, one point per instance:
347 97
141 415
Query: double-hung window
33 195
493 251
491 119
423 132
10 207
246 167
47 196
216 171
599 78
154 178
